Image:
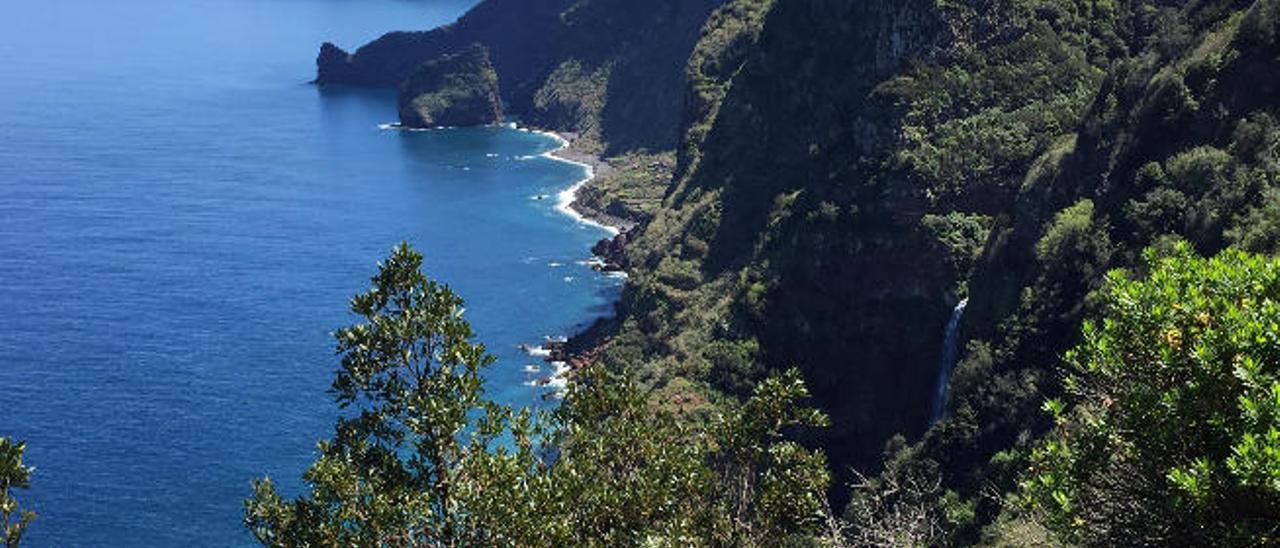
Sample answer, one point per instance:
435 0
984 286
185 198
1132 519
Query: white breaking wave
560 378
398 127
567 196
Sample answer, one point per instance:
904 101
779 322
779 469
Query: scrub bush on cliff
1175 432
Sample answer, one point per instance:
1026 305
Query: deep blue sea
182 221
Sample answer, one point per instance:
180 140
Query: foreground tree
414 445
421 459
628 475
1174 437
13 475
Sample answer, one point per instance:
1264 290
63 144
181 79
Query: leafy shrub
420 458
735 365
1174 435
1258 228
13 475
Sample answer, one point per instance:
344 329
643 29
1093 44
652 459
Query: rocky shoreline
583 348
610 251
599 168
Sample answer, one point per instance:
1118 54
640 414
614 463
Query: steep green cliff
820 182
459 89
557 61
781 243
871 163
619 81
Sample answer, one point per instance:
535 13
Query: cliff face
459 89
824 180
519 35
557 61
619 76
775 245
854 169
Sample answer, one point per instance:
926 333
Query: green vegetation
1174 435
616 73
852 169
13 475
846 172
572 98
633 187
459 89
420 457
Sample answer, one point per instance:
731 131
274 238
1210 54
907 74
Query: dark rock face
333 64
619 78
454 90
613 252
857 301
518 34
631 53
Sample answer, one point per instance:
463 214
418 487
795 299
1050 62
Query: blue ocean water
182 222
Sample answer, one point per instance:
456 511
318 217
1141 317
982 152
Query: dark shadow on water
332 92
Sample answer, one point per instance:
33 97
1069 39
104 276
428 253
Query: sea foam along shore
566 197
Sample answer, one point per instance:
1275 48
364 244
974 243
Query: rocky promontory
459 89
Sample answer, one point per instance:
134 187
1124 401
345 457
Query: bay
182 221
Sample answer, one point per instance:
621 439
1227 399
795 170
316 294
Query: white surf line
566 197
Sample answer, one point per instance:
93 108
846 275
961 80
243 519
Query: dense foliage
13 475
420 458
859 167
459 89
1174 435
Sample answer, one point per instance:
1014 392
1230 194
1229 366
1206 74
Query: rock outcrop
334 64
519 34
613 252
459 89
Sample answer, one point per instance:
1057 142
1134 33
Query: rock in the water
459 89
613 252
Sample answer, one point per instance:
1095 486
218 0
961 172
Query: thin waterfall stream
950 350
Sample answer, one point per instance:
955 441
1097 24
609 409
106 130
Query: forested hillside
874 163
833 177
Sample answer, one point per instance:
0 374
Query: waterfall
950 342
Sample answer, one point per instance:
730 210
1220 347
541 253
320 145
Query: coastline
582 348
567 199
